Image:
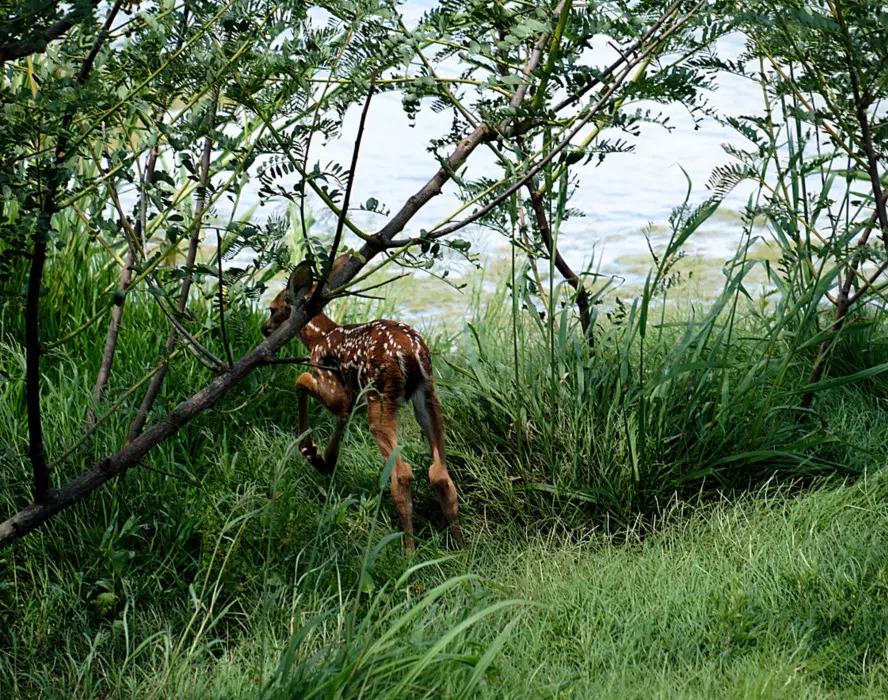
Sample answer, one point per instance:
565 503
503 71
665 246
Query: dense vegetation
228 565
673 495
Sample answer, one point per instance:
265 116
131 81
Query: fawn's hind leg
383 417
428 414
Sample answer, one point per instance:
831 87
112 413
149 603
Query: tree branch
41 38
340 221
56 500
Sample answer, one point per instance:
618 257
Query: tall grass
224 566
677 397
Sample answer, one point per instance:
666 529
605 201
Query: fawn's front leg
333 396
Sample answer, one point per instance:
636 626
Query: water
624 198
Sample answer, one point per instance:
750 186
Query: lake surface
624 197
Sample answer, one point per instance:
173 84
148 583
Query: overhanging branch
40 39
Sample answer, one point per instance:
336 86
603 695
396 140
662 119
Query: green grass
649 518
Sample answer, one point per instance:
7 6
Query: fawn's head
300 284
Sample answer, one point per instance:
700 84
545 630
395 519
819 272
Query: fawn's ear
340 261
300 280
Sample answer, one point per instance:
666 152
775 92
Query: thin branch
200 202
520 182
134 243
483 132
221 296
352 171
54 183
126 275
304 361
625 56
194 346
860 105
582 296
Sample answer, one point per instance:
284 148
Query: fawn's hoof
456 534
316 460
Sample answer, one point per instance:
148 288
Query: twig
582 296
340 221
624 57
197 349
225 344
200 201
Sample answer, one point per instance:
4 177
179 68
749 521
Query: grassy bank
649 517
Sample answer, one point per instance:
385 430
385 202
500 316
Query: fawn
391 361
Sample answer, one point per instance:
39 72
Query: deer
389 363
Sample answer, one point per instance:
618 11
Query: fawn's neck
315 330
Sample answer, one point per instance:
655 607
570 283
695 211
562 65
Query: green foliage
818 149
225 565
603 559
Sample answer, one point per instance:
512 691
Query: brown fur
391 362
